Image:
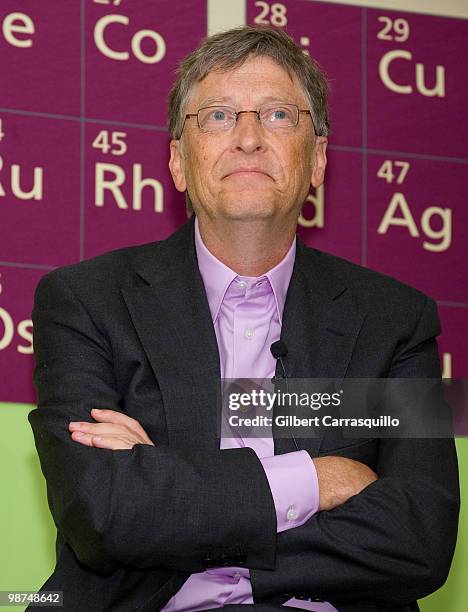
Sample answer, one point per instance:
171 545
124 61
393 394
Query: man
153 511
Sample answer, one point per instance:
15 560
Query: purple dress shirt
247 315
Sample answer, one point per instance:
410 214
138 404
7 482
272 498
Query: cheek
201 153
306 160
296 153
196 163
298 164
200 170
208 163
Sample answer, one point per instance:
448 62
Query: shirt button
291 514
237 575
249 333
242 285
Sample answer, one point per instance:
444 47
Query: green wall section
27 532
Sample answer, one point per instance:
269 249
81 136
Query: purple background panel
132 90
454 322
109 226
341 232
334 33
44 77
41 231
414 122
442 275
17 287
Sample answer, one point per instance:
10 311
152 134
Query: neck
249 247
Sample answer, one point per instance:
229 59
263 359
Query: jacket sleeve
144 507
393 543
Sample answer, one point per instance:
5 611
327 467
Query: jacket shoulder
112 269
369 286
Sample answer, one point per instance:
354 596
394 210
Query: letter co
136 41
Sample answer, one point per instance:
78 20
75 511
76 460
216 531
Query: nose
248 133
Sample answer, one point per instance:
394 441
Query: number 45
117 140
386 171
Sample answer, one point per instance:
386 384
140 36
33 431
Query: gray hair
228 50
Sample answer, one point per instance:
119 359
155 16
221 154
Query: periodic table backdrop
84 145
83 170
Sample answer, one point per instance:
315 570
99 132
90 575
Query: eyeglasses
216 119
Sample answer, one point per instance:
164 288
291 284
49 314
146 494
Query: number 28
274 14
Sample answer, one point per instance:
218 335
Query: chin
249 209
248 214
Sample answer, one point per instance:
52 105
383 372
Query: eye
214 118
279 114
218 115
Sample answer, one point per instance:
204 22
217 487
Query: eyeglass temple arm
307 112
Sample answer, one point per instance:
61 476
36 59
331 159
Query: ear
176 166
319 161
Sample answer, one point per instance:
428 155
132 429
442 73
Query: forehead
257 79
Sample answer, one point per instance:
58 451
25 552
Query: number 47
386 171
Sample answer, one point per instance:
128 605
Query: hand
340 478
114 430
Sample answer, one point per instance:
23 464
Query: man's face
248 172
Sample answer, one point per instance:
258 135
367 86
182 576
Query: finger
114 416
117 417
97 428
112 443
109 441
82 438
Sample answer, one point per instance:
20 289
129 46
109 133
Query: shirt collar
217 276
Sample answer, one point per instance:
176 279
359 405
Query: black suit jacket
131 330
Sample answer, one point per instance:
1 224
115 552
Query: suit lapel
171 315
320 326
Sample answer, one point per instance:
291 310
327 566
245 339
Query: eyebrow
228 101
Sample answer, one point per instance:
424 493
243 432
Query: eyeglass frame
237 113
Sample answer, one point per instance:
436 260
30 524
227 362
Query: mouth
247 172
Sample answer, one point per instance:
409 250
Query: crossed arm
339 477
